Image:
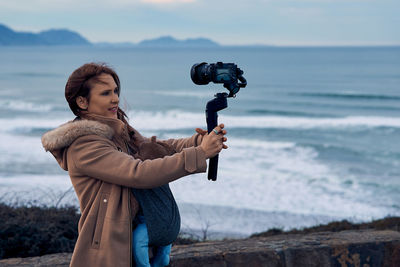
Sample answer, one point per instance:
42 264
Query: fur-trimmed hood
64 135
58 140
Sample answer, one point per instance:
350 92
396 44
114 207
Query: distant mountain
63 37
169 41
8 37
165 41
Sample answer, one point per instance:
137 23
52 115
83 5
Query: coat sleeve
182 143
97 157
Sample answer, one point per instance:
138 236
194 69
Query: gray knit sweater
161 214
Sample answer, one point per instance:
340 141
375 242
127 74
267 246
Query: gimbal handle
213 106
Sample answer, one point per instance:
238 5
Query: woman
101 153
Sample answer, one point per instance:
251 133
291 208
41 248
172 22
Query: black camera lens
200 73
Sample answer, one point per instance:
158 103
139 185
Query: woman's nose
115 98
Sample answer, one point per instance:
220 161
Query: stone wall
367 248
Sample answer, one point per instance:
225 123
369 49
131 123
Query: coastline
29 231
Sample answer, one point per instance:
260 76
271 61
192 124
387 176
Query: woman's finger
201 131
216 130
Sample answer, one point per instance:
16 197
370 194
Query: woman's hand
213 143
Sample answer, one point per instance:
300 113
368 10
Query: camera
226 73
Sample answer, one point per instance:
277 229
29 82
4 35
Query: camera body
226 73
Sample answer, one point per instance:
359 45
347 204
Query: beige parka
95 154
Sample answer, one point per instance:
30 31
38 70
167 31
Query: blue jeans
140 248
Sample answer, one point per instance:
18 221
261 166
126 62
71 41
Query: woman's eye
116 91
105 93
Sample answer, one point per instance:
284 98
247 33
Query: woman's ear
82 102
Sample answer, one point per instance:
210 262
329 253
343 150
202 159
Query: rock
51 260
366 248
347 248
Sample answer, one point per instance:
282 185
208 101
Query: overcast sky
230 22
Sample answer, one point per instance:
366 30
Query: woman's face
104 97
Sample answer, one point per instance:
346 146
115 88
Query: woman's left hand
223 133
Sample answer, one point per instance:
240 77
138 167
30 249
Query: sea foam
25 106
175 119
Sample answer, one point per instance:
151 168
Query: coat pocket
100 220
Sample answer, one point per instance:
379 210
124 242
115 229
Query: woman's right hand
213 143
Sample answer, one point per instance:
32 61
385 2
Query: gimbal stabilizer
228 74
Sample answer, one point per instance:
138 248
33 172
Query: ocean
313 138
